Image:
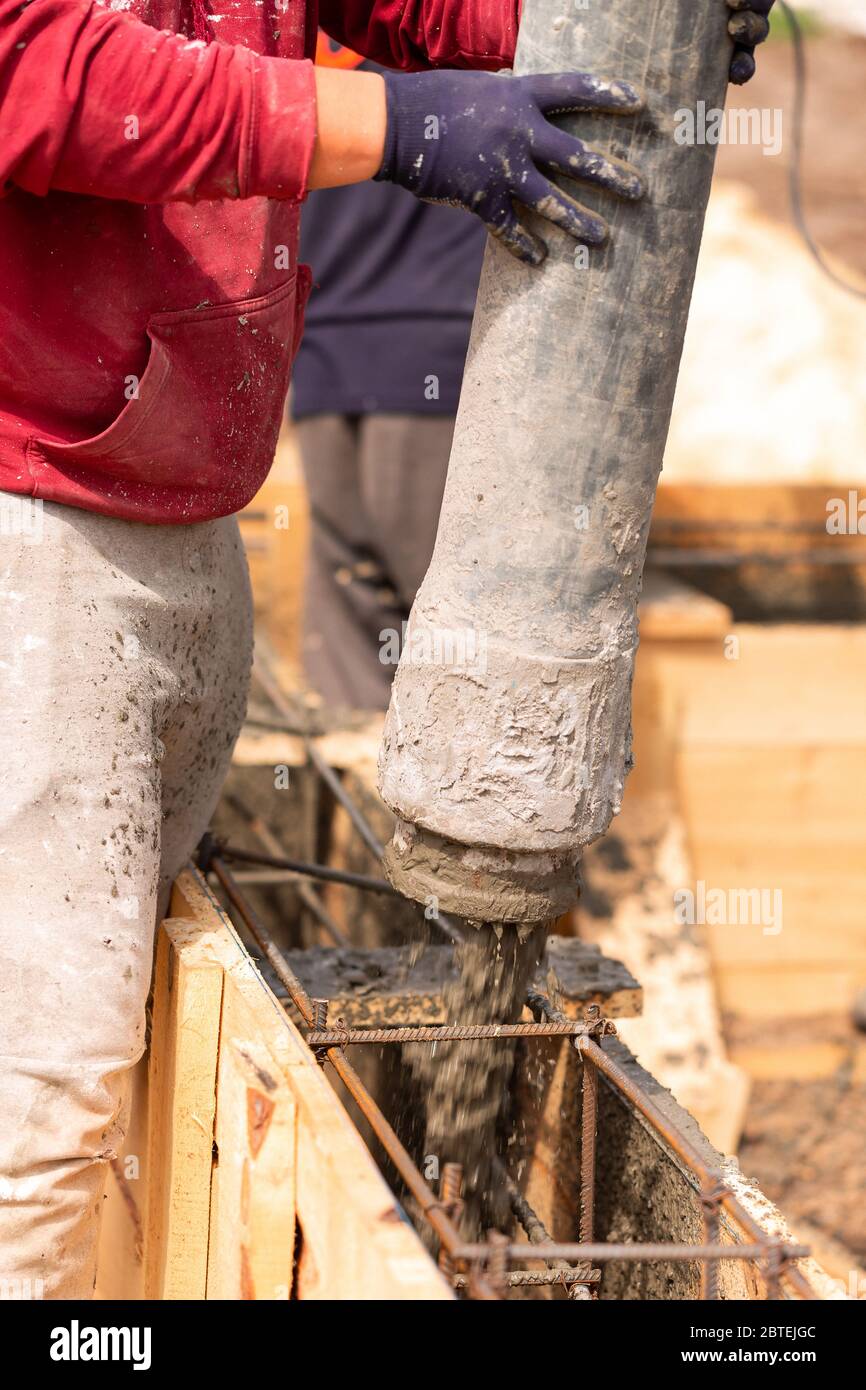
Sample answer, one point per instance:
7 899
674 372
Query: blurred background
750 694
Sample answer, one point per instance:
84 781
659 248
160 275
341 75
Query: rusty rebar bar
777 1260
594 1025
529 1219
305 891
529 1278
272 953
538 1233
443 1032
649 1252
588 1129
451 1197
497 1260
711 1196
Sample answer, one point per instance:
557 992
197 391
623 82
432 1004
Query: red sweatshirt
153 157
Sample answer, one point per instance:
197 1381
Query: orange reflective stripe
330 54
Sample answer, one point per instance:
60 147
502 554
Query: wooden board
253 1211
771 763
672 611
182 1085
258 1184
765 756
355 1241
776 516
343 748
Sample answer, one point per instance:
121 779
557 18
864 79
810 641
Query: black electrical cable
794 169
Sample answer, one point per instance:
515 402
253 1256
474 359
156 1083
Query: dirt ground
805 1142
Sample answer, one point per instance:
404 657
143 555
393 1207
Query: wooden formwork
243 1177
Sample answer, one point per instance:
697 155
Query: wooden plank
807 1061
774 991
357 1243
821 925
252 1219
670 610
264 748
182 1081
774 516
769 752
790 683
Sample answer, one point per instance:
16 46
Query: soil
805 1142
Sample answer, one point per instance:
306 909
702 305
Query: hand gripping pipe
508 736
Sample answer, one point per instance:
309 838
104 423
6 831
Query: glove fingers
749 28
559 151
550 202
581 91
508 229
742 67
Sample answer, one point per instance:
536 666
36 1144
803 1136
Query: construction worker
153 163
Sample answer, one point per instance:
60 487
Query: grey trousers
124 660
375 484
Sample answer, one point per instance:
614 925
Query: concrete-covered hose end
486 885
501 770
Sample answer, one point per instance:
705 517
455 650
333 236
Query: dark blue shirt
388 319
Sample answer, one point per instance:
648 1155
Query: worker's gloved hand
482 141
749 27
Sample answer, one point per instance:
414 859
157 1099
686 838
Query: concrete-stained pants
375 484
124 660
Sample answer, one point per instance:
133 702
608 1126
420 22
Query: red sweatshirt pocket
199 435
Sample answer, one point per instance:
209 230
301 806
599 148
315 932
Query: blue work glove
489 141
749 27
